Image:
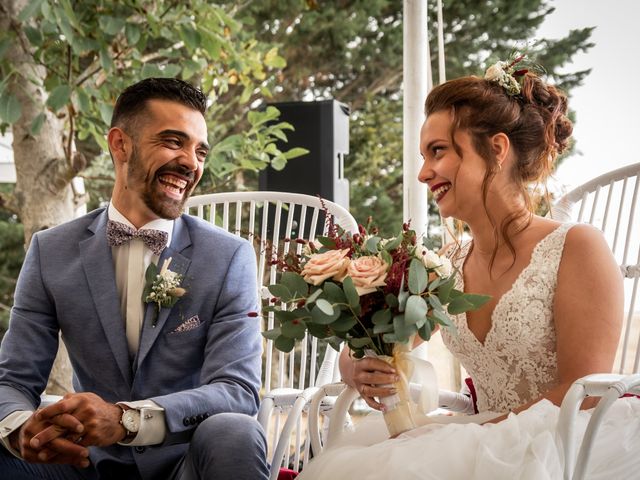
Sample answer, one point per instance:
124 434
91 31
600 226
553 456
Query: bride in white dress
556 309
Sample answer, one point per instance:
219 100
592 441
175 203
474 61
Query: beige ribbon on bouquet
419 378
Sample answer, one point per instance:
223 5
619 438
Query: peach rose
368 273
321 266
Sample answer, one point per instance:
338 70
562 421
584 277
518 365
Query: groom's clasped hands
61 432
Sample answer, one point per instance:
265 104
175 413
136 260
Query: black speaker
321 127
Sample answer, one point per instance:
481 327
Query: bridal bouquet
370 292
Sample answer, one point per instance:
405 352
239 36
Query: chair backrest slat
273 222
615 193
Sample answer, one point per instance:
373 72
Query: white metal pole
415 82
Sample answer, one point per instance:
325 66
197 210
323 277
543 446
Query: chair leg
283 440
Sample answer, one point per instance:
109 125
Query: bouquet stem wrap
417 391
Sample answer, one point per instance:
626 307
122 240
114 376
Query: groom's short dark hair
133 99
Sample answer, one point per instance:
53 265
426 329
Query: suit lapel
179 264
100 274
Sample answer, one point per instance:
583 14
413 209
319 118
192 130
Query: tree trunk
43 195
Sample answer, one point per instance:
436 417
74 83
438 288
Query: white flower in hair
495 72
500 72
508 74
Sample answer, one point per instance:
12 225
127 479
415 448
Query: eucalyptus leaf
295 283
476 300
350 292
334 293
272 334
403 296
441 318
320 317
434 301
314 296
382 317
318 331
285 316
335 342
361 342
425 332
444 289
371 244
280 291
391 300
344 324
294 329
386 328
416 310
418 277
325 306
393 243
326 242
284 344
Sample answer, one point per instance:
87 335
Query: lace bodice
517 361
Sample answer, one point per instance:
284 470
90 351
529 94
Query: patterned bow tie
119 233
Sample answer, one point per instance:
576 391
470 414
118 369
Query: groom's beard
151 191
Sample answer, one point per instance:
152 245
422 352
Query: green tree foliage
11 257
351 50
78 55
92 49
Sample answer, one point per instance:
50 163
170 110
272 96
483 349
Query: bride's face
454 178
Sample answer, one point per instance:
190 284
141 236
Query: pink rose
368 273
321 266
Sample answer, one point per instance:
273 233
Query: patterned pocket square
190 324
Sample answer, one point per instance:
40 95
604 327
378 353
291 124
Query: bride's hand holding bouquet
373 293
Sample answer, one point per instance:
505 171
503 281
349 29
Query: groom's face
167 158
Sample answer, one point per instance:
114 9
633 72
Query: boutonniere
162 287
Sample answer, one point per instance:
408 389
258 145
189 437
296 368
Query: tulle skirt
524 446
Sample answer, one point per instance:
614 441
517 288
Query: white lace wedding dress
516 363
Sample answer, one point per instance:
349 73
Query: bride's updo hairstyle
529 111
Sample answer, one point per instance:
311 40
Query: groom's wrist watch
130 420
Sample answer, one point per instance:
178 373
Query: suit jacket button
206 415
185 421
140 449
193 420
199 418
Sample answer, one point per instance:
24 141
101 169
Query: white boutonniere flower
163 287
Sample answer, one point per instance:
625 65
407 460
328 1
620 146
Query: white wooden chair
276 220
611 203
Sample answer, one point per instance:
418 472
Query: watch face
131 420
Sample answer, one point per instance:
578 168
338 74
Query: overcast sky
607 106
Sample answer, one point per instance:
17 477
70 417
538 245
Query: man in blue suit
166 379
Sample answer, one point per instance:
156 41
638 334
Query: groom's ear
120 145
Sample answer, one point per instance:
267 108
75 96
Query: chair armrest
608 386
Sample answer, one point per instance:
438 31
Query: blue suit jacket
67 284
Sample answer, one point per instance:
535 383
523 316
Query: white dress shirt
130 261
